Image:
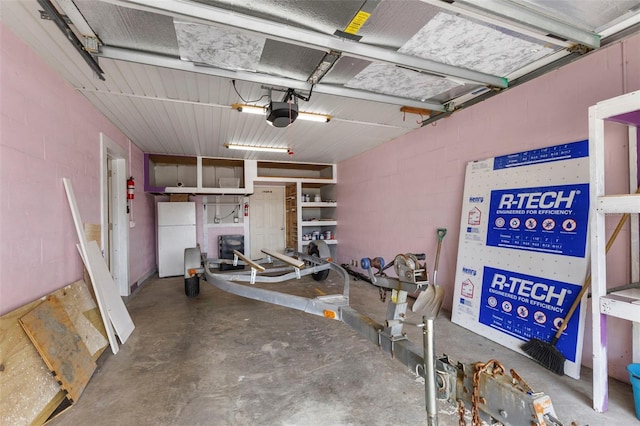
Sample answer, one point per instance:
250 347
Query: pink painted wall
392 198
50 131
142 238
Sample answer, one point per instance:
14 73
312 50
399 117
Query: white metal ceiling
169 65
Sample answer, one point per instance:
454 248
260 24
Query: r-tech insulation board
522 249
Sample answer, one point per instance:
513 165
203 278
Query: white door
266 220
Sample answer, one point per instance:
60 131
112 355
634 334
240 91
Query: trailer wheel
192 286
315 249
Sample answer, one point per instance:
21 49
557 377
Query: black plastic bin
226 245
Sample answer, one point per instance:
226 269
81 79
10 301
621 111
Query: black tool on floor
546 354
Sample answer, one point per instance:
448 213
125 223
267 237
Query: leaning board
84 315
82 238
112 309
54 336
100 275
28 391
522 248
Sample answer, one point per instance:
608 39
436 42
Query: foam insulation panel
224 48
393 80
460 42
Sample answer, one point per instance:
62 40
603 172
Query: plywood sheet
56 339
28 391
82 311
93 232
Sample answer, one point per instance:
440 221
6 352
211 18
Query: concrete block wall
50 131
393 198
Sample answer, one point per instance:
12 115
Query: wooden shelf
318 223
174 174
623 304
320 204
330 242
298 171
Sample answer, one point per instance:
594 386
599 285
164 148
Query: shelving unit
175 174
170 174
624 304
318 216
304 218
284 171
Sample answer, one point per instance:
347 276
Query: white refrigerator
176 231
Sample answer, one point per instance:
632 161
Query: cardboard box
179 198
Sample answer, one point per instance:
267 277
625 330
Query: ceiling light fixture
309 116
258 110
257 148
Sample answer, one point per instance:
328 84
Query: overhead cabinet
174 174
283 171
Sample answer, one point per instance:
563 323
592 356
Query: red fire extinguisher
246 209
130 188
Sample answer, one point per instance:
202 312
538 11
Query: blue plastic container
634 374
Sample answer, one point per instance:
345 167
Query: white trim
120 251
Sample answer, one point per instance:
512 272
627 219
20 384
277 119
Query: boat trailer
493 396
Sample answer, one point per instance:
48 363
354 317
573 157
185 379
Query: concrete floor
220 359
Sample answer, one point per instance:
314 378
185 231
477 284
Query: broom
546 354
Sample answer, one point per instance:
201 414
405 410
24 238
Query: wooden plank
56 339
316 167
93 232
28 391
81 308
173 159
284 258
102 304
101 277
50 408
249 262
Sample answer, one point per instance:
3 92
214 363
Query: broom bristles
545 354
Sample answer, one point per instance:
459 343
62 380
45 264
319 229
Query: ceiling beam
528 17
623 23
208 14
127 55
